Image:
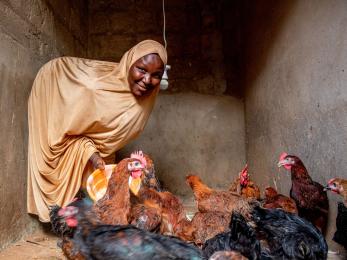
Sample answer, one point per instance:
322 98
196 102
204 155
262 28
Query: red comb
139 156
331 180
283 155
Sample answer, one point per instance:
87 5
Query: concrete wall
296 95
196 125
190 132
31 33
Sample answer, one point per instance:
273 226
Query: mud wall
296 95
31 33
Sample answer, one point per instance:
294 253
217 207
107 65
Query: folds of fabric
78 107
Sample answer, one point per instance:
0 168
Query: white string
164 36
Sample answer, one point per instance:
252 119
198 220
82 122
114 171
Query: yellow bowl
97 182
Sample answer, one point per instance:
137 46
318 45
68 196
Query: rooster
310 197
339 186
93 240
212 200
244 186
274 200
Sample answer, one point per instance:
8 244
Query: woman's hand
97 161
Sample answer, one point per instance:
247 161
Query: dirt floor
43 244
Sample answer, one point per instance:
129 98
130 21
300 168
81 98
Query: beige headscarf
78 107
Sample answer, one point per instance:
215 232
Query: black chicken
93 240
58 223
340 235
288 236
241 238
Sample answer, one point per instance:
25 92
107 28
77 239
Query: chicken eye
334 184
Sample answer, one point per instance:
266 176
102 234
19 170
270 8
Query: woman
82 110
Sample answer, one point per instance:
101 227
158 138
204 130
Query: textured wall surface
31 33
187 131
193 33
296 96
194 133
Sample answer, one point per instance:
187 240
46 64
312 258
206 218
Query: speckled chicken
274 200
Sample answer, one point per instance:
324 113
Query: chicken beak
281 163
326 188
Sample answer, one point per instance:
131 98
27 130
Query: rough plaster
296 96
29 37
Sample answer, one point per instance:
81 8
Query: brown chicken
146 215
150 180
114 207
338 186
212 200
309 196
244 186
274 200
209 224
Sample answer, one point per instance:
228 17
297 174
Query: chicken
340 235
150 180
339 186
95 241
146 215
309 196
273 200
227 255
209 224
244 186
241 238
114 207
288 236
212 200
171 208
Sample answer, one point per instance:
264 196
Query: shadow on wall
262 22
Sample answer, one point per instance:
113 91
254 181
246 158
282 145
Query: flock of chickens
151 223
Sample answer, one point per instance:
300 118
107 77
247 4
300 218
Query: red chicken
114 207
212 200
274 200
310 197
244 186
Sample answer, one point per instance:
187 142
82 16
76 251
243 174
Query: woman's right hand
97 161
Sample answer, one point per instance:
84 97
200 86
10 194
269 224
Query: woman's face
145 74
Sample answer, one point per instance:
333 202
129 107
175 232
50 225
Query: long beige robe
78 107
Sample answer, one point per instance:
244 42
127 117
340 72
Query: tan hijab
78 107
